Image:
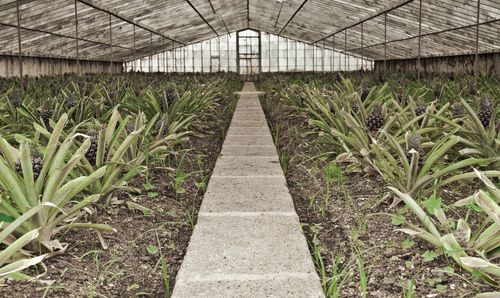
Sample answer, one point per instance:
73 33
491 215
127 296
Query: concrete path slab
248 131
249 140
242 194
248 151
247 167
248 241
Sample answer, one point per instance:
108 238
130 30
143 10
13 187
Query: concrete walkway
248 241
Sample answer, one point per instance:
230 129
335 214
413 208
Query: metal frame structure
386 27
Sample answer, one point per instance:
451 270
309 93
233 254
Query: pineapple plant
376 118
413 145
485 111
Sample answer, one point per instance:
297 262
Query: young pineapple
91 154
354 107
171 95
365 93
420 108
457 111
46 115
413 143
485 111
36 163
376 118
437 92
16 100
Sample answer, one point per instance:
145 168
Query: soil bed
356 224
130 266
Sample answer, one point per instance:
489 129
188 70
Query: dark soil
356 223
126 268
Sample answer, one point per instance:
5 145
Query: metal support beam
380 12
314 57
150 66
345 50
98 6
385 46
135 60
279 14
72 37
419 38
296 58
426 34
110 46
201 16
78 71
286 57
476 58
19 44
305 60
362 40
248 15
228 53
269 39
333 53
323 58
293 16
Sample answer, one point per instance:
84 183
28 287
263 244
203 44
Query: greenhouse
282 148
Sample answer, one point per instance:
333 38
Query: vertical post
323 57
134 49
228 53
110 46
362 40
21 75
201 55
260 52
305 52
340 61
150 56
278 53
76 40
333 53
385 45
238 52
269 35
476 58
314 57
296 58
218 47
210 56
184 58
287 66
192 57
345 50
419 37
164 56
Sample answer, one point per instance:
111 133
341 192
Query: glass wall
278 54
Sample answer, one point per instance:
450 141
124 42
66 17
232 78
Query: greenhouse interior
281 148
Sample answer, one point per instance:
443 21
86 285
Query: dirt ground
356 224
130 266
